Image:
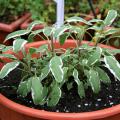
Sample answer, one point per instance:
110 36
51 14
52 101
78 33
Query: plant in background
76 8
44 76
41 11
12 9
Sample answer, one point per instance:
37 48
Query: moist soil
70 101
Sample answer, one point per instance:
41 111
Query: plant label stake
60 12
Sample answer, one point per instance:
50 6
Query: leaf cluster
45 75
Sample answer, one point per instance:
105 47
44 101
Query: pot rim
54 115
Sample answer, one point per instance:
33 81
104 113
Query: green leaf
60 31
63 38
7 69
18 44
95 21
78 19
94 80
24 88
33 34
8 56
42 48
56 68
44 95
47 31
33 24
37 90
95 56
16 34
111 31
54 96
113 65
114 51
32 50
44 72
81 90
6 48
103 76
111 16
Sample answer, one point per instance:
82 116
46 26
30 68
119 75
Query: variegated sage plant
45 75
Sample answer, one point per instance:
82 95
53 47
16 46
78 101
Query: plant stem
52 45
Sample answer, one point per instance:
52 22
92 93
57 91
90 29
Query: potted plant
62 76
13 13
82 9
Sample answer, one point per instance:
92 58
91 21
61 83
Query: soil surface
70 101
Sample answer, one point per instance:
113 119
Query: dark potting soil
70 101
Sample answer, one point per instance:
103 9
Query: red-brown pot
5 29
10 110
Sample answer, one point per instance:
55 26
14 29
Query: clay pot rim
54 115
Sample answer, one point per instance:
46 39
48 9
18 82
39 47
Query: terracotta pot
10 110
5 29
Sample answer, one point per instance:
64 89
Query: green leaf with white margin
81 90
111 31
95 56
78 19
113 51
33 24
94 80
44 95
33 34
103 76
18 44
42 48
54 96
56 68
7 56
47 31
37 90
24 87
113 65
6 69
111 16
44 72
63 38
60 31
6 48
16 34
95 21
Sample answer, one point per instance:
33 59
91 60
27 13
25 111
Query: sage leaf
81 90
94 81
95 56
8 56
111 16
8 68
63 38
44 72
113 65
33 24
103 76
37 90
54 96
56 68
18 44
24 88
47 31
78 19
16 34
60 31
